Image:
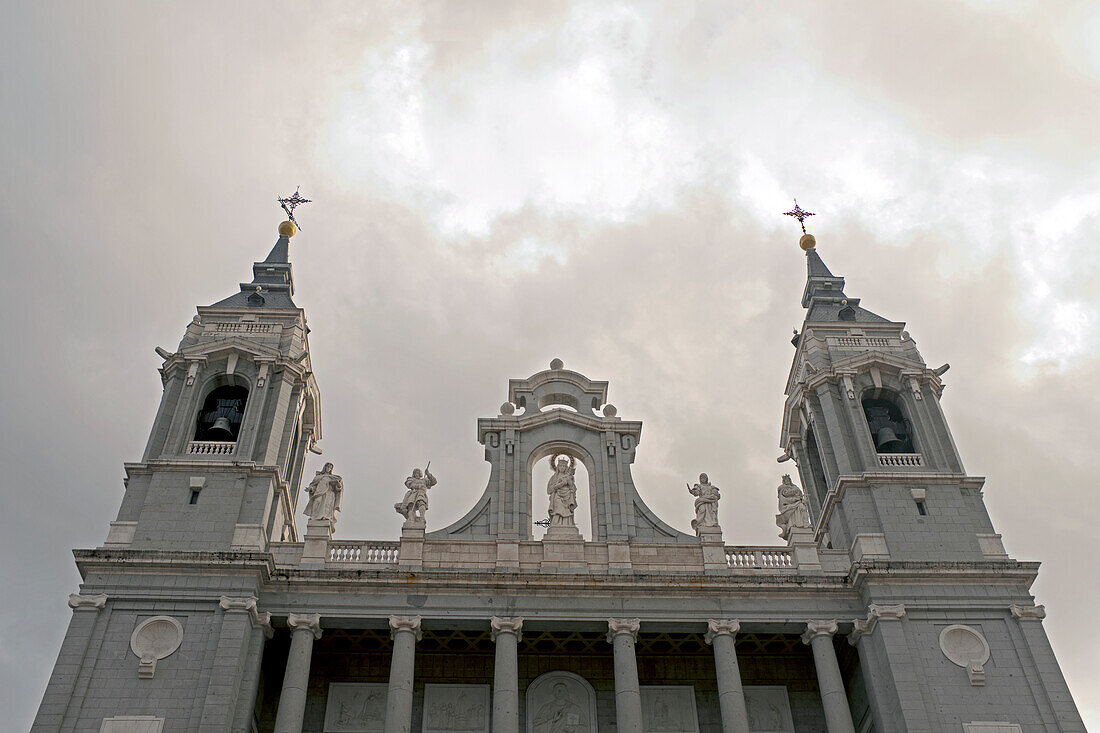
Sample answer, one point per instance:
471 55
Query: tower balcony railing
906 460
863 342
211 448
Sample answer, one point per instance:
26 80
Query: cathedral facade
892 605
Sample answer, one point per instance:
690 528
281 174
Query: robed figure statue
706 504
793 512
562 489
325 493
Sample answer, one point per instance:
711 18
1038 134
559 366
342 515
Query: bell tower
862 420
240 408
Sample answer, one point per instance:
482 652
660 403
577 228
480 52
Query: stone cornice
843 482
309 621
1028 613
79 602
498 626
260 564
899 572
533 420
819 628
621 626
399 624
719 627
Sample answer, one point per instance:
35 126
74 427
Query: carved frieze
355 707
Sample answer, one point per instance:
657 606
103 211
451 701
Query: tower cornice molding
867 478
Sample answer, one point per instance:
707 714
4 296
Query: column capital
876 611
308 621
616 626
818 628
79 602
718 627
406 623
1028 613
500 625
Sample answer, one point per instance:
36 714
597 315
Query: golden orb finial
807 242
287 229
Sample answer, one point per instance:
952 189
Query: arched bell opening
890 430
221 414
539 471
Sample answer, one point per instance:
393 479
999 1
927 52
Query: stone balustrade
363 552
759 558
530 555
892 460
211 448
862 342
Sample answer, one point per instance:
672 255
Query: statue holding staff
415 504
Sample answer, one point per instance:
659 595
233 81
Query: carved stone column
731 695
622 635
507 633
819 635
405 631
304 629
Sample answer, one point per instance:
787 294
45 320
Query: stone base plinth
315 545
563 551
804 553
410 553
714 550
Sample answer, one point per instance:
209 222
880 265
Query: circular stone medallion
963 645
156 637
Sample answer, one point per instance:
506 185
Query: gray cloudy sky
501 183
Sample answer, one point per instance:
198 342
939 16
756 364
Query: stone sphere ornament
557 364
507 409
609 410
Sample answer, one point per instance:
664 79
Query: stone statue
793 512
325 492
560 715
562 488
415 503
706 504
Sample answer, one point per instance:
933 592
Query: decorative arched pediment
603 442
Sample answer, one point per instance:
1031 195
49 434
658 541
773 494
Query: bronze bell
220 430
887 441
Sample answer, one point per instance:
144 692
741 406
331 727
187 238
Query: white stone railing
899 459
211 448
362 552
246 327
759 558
861 341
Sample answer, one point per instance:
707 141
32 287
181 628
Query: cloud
499 185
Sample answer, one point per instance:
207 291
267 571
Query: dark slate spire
272 280
824 293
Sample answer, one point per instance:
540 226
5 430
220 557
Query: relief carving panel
769 709
456 709
669 709
561 702
354 707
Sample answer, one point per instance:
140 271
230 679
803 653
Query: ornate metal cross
798 213
292 202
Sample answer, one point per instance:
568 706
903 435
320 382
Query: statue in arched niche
562 489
